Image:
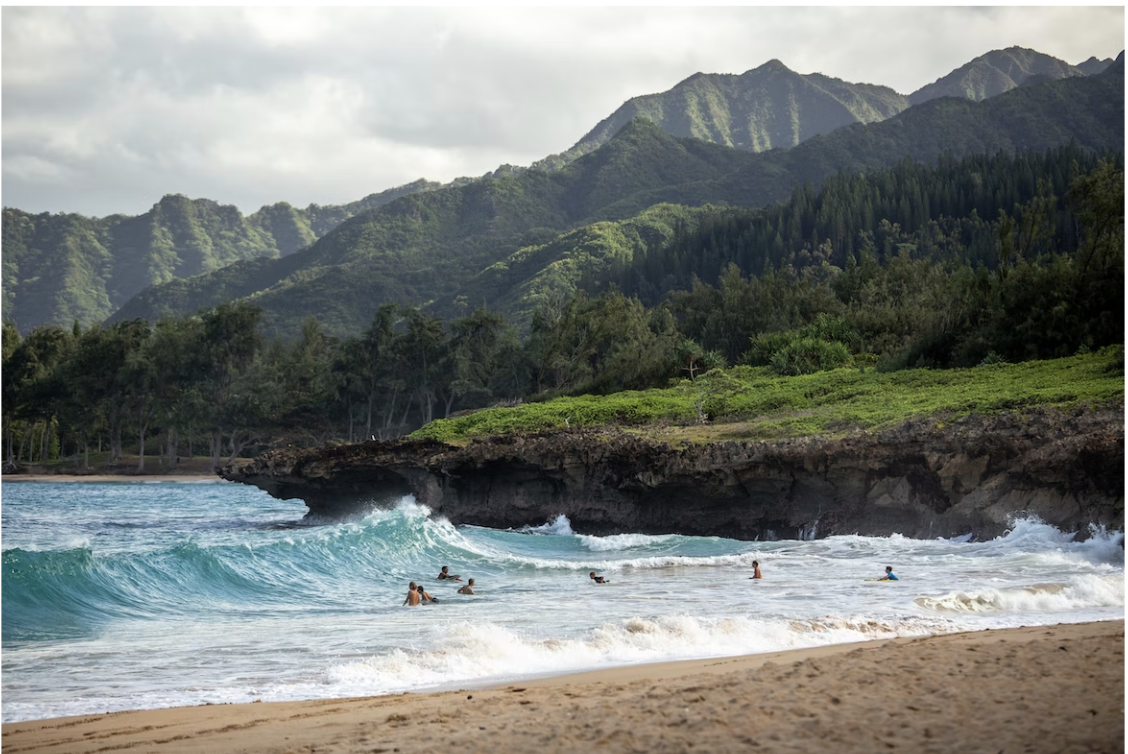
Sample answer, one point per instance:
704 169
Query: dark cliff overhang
924 478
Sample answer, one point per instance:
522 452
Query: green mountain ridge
1089 113
422 246
1094 65
510 242
1000 71
772 107
765 108
1086 110
62 268
65 267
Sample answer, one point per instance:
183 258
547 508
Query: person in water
889 575
756 570
467 588
445 574
412 595
424 595
598 579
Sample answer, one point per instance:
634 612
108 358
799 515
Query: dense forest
978 260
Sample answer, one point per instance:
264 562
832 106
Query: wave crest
1084 592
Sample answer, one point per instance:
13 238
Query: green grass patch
754 403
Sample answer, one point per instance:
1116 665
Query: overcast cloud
105 110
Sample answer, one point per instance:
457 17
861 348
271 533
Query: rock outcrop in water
926 478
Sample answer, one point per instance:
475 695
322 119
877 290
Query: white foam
1082 592
557 527
472 652
622 541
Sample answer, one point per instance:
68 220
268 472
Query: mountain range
1000 71
774 107
744 140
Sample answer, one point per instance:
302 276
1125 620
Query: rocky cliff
926 478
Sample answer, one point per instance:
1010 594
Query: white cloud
107 109
30 168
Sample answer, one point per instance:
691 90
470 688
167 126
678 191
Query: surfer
412 595
598 579
467 588
756 570
445 574
889 575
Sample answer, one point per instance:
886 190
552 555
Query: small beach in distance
112 478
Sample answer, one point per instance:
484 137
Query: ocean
148 595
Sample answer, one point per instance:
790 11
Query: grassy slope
753 403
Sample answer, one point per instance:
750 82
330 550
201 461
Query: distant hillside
66 267
1093 66
423 246
500 242
772 107
1087 111
1000 71
765 108
59 268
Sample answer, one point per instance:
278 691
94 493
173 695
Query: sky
106 110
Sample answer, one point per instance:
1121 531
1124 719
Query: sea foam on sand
1037 689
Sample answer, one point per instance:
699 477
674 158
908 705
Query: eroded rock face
922 479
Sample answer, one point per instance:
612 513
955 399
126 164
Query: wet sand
1035 689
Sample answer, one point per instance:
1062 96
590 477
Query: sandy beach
1035 689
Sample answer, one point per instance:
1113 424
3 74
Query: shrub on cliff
766 404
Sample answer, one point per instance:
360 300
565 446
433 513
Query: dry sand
1038 689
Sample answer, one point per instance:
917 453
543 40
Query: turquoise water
129 596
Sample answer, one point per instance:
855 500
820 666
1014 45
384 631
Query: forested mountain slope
1000 71
772 107
1087 111
442 246
1094 65
66 267
423 246
765 108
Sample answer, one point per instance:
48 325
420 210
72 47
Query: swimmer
889 576
445 574
598 579
412 595
756 570
467 588
424 595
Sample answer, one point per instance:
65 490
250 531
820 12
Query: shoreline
194 477
1037 688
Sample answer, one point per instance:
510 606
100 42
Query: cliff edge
924 478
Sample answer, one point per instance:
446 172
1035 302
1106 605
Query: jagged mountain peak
993 73
767 107
775 64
